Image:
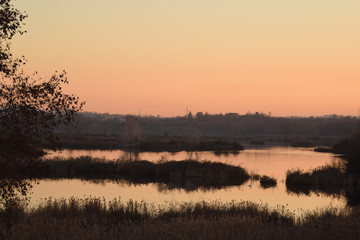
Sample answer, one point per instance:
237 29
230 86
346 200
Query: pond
274 162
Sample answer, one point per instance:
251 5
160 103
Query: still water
274 162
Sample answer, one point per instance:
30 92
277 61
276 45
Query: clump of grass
298 177
325 175
328 179
267 182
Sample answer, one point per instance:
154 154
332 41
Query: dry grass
95 219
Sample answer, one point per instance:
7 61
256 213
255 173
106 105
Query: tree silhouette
11 20
30 107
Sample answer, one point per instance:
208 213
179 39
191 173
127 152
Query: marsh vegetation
186 174
96 219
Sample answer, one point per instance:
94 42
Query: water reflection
350 194
187 184
160 194
274 162
130 156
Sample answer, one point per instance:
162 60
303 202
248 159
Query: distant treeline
217 125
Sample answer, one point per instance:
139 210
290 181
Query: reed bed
187 174
328 179
212 173
190 175
94 218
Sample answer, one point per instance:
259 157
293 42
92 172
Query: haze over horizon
298 58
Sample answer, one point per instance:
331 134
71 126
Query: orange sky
297 57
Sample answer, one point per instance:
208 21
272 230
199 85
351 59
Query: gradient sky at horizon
290 58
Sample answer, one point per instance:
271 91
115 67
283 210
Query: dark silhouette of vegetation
11 20
330 180
94 218
158 133
187 174
85 141
30 107
257 142
205 144
267 182
217 125
14 191
326 177
302 144
338 179
149 144
349 146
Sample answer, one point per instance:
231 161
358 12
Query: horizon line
221 113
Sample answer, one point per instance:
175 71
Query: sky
290 58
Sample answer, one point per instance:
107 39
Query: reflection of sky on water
273 162
153 193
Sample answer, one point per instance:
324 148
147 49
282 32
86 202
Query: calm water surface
272 161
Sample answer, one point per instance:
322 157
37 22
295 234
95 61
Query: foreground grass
95 219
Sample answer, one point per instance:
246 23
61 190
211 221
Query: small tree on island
30 107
